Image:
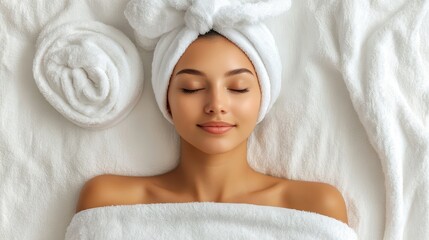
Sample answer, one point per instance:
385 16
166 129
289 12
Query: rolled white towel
89 72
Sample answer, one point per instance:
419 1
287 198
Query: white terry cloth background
344 62
204 220
385 67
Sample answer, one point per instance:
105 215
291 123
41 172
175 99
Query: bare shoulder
108 190
320 198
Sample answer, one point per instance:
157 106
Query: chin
216 147
213 145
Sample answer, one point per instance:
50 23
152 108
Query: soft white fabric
204 220
312 133
89 72
386 73
174 25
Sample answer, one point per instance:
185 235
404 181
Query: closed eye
240 90
195 90
190 90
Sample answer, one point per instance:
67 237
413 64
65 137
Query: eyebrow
230 73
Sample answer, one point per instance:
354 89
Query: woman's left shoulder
318 197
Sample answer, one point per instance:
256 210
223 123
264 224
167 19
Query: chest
274 195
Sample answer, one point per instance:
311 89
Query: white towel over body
204 220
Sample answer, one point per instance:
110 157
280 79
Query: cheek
185 109
247 108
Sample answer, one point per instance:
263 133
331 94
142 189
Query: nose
217 101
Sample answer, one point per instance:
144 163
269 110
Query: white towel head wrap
170 26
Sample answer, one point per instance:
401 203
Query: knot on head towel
170 26
199 17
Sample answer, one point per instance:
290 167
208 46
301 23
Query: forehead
214 53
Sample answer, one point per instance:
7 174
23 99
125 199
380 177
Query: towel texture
89 72
354 74
173 25
386 74
204 220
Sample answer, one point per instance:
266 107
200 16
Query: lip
216 124
216 127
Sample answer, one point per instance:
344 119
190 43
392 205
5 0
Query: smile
216 130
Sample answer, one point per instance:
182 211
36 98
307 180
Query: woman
214 98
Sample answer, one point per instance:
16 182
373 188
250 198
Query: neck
214 177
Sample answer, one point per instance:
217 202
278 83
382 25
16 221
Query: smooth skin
214 80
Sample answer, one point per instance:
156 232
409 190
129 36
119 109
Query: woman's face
214 81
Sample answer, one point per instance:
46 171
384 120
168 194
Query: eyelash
195 90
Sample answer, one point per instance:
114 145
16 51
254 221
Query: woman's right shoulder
107 190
